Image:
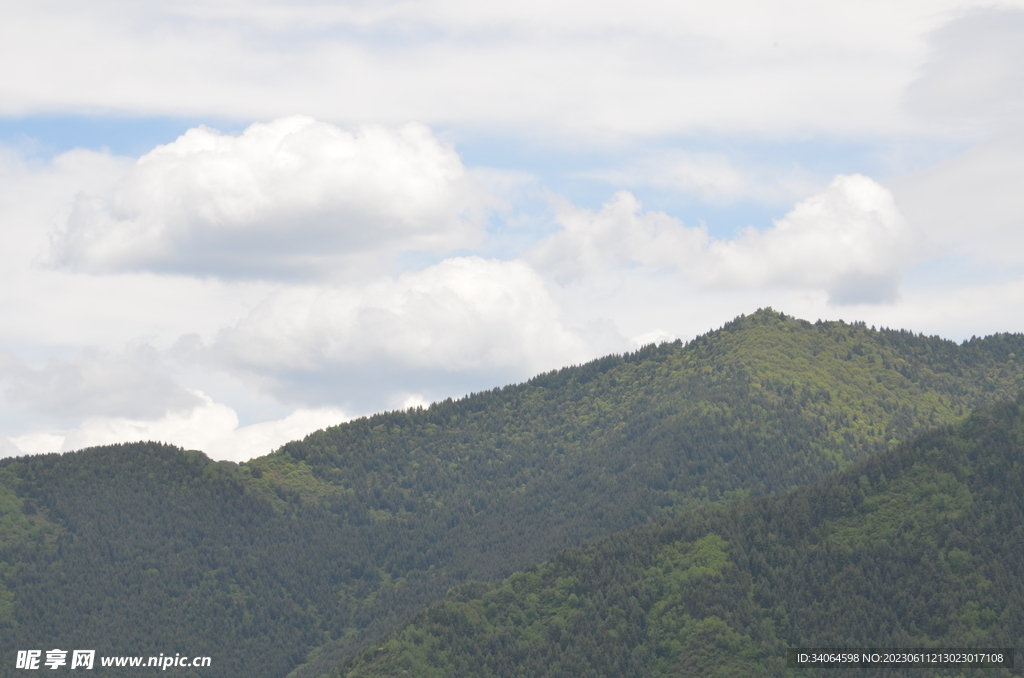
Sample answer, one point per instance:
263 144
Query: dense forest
917 547
296 560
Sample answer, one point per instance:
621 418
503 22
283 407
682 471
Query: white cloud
658 336
974 76
33 443
463 315
35 195
850 240
616 236
268 250
43 310
8 448
192 429
293 197
711 177
133 384
411 400
554 68
256 440
973 204
209 427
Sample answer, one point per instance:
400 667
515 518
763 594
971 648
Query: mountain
918 547
298 559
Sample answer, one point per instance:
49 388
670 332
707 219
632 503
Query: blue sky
228 224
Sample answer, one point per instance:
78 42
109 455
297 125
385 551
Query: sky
226 224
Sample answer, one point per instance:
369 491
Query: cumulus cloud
850 240
618 235
465 314
294 197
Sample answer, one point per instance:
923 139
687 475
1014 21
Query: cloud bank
547 69
463 315
850 240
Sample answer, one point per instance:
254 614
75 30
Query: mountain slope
146 549
497 481
918 547
334 540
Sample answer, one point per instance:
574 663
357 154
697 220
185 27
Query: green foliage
22 531
922 497
315 551
921 546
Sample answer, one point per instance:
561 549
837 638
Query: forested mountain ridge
505 478
336 539
917 547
